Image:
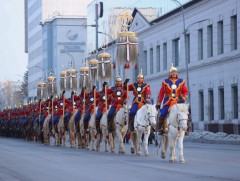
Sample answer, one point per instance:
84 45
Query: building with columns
212 51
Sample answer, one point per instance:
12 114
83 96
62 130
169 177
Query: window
151 60
235 101
201 105
211 104
234 32
165 56
210 41
187 39
221 102
144 62
176 52
158 58
200 44
220 37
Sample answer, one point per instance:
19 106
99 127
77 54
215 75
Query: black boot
110 125
131 124
85 124
160 125
98 127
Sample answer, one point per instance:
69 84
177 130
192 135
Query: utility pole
96 16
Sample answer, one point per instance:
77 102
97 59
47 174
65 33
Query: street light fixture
72 58
185 41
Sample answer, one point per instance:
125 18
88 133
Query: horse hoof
106 151
171 161
147 154
139 154
112 151
163 157
132 150
93 149
182 161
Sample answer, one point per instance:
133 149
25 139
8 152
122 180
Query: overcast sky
13 59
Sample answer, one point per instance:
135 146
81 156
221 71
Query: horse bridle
124 117
147 119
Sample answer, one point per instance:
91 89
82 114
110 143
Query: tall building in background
110 23
112 10
64 45
36 12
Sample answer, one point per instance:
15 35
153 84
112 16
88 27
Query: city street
28 161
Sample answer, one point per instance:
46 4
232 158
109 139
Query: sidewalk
212 138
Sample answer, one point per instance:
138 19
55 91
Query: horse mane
183 107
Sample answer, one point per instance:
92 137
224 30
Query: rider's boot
161 125
110 126
131 124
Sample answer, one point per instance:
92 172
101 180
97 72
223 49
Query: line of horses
146 117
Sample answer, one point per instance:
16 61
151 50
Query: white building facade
37 11
64 45
213 52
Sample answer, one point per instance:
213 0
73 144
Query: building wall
109 23
36 13
219 70
71 39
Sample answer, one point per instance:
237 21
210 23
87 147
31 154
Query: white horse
93 130
46 130
177 125
144 119
72 130
104 129
82 132
121 127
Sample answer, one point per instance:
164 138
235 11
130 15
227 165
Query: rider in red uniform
141 92
173 91
119 96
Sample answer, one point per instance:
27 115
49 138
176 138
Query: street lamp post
185 42
185 29
72 58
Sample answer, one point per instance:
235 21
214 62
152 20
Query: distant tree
24 86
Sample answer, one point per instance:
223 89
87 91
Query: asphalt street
29 161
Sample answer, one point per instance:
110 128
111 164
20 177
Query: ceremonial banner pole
41 92
52 89
84 83
127 48
72 83
105 70
93 64
63 86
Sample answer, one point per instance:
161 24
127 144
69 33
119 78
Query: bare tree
24 86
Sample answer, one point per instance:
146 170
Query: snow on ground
218 137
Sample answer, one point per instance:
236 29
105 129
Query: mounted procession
94 116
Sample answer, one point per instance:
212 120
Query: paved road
27 161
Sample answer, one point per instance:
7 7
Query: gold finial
126 20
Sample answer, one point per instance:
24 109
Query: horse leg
180 145
106 137
164 145
146 136
133 142
93 139
171 144
111 139
138 146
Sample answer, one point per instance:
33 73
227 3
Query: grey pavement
28 161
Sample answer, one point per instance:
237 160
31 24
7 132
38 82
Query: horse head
151 114
182 115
